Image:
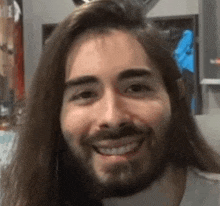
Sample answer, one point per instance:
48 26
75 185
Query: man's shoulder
202 188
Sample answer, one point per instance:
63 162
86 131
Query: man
107 121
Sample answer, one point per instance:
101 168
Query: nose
113 112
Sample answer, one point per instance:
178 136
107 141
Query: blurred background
191 28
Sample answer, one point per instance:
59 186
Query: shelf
210 82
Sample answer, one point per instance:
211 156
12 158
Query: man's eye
137 90
84 97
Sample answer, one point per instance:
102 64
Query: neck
167 191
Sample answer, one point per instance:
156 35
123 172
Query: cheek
154 113
74 122
158 114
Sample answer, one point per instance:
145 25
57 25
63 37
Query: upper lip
117 143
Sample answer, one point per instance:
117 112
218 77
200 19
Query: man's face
116 111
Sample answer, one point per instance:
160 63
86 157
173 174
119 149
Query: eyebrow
131 73
80 81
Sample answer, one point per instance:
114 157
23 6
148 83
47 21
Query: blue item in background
184 53
184 56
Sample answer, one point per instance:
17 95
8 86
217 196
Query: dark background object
79 2
172 29
144 2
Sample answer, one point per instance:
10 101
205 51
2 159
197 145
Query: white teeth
119 150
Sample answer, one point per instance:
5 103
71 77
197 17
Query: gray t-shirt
202 189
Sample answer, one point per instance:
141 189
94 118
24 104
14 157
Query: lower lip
121 158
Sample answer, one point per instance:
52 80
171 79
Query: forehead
111 52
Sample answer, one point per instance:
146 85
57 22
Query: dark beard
117 189
78 181
78 186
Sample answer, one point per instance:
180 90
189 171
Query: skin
91 111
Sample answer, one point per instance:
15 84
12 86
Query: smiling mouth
123 150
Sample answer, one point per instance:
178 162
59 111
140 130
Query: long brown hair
31 177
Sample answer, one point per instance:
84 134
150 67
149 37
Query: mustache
117 133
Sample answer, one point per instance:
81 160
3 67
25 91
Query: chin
126 179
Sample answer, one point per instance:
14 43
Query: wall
36 13
174 8
210 48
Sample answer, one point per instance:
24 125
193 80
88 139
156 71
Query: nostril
123 124
104 126
115 124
